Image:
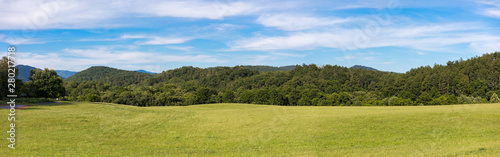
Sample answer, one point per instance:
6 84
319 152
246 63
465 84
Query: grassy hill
363 67
108 75
103 129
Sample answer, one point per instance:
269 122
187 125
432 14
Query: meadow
106 129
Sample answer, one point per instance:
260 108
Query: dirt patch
17 106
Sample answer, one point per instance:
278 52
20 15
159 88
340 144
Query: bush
494 98
462 99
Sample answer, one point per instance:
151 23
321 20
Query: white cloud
357 56
163 41
428 38
492 12
198 9
267 58
485 47
293 22
129 36
79 59
19 40
156 40
288 54
180 48
32 15
489 8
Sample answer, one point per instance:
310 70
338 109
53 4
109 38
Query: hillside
363 67
108 75
475 80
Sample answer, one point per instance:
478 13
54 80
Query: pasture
104 129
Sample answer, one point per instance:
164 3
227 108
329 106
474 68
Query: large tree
4 89
45 83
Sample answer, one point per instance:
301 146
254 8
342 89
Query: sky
159 35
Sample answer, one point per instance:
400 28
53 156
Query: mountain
24 72
65 73
144 71
108 75
363 67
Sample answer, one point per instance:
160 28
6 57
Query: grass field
96 129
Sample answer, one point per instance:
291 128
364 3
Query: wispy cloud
427 37
77 59
156 40
19 40
293 22
357 56
489 8
289 54
181 48
22 14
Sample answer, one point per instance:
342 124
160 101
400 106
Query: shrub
494 98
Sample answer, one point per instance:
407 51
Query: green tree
424 98
203 94
494 98
228 97
4 89
45 83
93 98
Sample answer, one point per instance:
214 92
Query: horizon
388 35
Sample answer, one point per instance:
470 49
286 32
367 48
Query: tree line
475 80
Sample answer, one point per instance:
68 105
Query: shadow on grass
36 106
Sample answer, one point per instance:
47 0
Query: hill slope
363 67
475 80
109 75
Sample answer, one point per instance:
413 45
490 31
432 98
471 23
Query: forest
475 80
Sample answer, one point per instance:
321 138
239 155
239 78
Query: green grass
96 129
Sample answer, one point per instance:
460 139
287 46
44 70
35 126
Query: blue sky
390 35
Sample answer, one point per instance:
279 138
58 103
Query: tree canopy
474 80
45 83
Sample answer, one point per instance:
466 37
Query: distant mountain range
144 71
24 72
